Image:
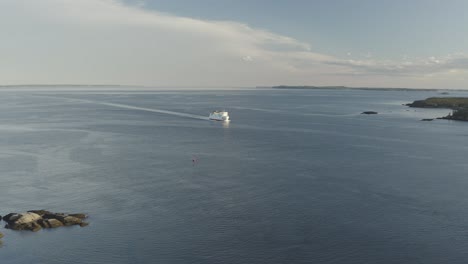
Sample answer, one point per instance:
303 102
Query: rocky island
459 105
35 220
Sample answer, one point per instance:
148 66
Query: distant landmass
459 105
308 87
305 87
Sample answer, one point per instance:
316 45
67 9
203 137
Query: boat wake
153 110
161 111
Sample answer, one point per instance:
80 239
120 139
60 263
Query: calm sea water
296 177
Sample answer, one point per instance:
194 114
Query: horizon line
225 87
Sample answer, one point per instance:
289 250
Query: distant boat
219 116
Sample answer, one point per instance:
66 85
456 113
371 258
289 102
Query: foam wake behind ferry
219 116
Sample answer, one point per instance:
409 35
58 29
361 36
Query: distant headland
309 87
459 105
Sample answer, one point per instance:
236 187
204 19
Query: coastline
459 105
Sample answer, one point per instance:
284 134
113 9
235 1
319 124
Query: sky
235 43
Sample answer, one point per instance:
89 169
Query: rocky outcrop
459 105
459 115
35 220
441 102
23 221
1 235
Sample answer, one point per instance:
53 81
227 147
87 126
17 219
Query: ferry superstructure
219 116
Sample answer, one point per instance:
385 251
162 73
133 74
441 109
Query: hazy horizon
118 87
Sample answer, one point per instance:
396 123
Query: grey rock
35 220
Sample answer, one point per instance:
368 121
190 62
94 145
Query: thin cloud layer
412 68
108 42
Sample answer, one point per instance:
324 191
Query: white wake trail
153 110
162 111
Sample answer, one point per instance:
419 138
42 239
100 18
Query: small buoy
194 160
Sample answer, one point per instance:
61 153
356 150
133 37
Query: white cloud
105 41
108 42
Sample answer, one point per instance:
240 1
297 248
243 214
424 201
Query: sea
296 176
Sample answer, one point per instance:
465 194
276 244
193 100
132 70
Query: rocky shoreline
459 105
36 220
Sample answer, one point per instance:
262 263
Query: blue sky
232 43
384 28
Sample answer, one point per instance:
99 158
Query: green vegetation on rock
441 102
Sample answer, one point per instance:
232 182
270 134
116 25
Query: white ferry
219 116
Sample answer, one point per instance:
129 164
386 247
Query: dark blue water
295 177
